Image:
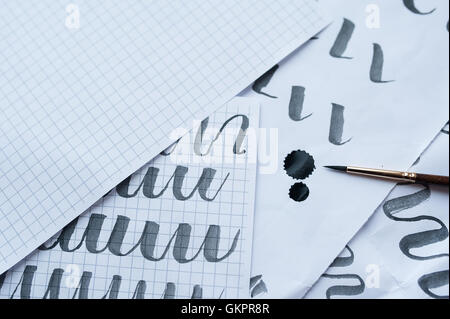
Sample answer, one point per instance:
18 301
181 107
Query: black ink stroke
257 286
296 104
376 69
148 184
81 291
337 125
342 40
411 6
263 81
434 280
239 138
146 244
395 206
344 290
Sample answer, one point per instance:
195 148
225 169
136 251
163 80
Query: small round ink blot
299 164
299 192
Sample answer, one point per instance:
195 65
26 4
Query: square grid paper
58 272
82 109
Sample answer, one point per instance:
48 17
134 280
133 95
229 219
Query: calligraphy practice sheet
181 227
91 91
402 251
371 90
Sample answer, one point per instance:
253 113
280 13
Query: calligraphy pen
397 176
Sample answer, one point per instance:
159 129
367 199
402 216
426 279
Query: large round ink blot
299 164
299 192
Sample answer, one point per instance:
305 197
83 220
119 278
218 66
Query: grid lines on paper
82 109
231 210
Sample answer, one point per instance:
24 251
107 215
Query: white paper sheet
385 124
90 92
198 208
402 252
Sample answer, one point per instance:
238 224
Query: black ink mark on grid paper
296 104
424 238
149 181
344 290
299 165
343 38
411 6
180 240
337 125
376 69
25 285
257 286
263 81
198 142
170 292
237 148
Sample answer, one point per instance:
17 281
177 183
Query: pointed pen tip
338 168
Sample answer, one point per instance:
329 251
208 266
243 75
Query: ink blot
299 164
299 192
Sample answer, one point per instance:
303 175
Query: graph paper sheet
181 227
88 96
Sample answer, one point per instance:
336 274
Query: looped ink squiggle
417 240
344 290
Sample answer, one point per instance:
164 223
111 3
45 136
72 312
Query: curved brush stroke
296 104
299 192
260 288
344 261
254 280
344 290
257 286
263 81
341 290
342 40
376 69
337 125
421 239
410 4
197 292
168 151
299 164
424 238
198 142
434 280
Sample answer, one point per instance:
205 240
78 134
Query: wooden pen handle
432 179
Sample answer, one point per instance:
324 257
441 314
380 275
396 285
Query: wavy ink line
342 40
296 104
421 239
344 290
337 125
180 240
376 69
263 81
434 280
411 6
